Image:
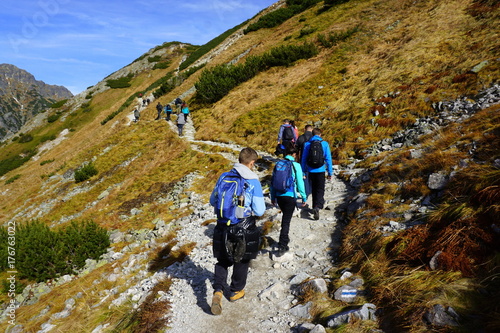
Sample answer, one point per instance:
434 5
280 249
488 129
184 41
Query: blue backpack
230 198
283 180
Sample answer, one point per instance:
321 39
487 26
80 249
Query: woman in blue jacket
286 200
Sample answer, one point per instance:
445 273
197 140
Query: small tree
85 172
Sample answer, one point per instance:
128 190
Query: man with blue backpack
286 183
237 199
316 160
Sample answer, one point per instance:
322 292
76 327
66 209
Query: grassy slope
418 50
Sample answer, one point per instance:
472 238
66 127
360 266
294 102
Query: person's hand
329 177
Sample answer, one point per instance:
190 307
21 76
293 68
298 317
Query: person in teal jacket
254 206
287 200
316 175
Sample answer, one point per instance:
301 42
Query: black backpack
288 133
316 156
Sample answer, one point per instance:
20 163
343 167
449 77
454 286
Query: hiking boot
281 250
217 303
236 295
316 213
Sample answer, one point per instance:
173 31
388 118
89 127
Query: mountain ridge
22 97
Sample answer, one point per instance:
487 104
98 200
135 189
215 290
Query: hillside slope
382 69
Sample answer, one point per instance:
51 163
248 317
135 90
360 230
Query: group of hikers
238 200
182 112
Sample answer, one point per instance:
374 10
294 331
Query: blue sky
77 43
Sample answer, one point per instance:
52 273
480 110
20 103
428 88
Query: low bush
42 253
216 82
58 104
123 82
85 172
12 179
53 117
25 138
12 163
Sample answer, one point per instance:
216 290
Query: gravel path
268 301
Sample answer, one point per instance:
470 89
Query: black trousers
287 206
238 278
317 185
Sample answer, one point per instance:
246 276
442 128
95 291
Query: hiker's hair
316 131
286 121
308 128
290 148
247 155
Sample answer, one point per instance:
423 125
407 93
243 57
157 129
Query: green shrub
12 179
88 96
25 138
53 117
334 38
85 172
85 240
306 31
162 65
155 58
4 245
277 17
123 82
47 162
58 104
42 253
45 138
12 163
216 82
38 252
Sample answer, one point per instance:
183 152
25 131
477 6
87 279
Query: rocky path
269 305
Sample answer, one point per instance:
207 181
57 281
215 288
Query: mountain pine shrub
43 254
85 172
217 82
123 82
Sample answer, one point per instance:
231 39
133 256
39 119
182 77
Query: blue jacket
254 198
327 167
298 180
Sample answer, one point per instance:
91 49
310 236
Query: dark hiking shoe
236 295
281 250
217 303
316 213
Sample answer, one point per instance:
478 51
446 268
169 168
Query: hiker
287 181
316 160
250 204
168 111
137 115
178 103
301 140
286 133
185 110
159 109
181 121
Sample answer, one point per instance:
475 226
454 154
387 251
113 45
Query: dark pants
238 278
180 127
168 115
307 185
317 182
287 206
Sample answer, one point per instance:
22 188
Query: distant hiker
159 109
168 111
236 236
144 102
286 133
178 103
137 115
301 140
185 110
148 101
287 185
316 160
181 121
